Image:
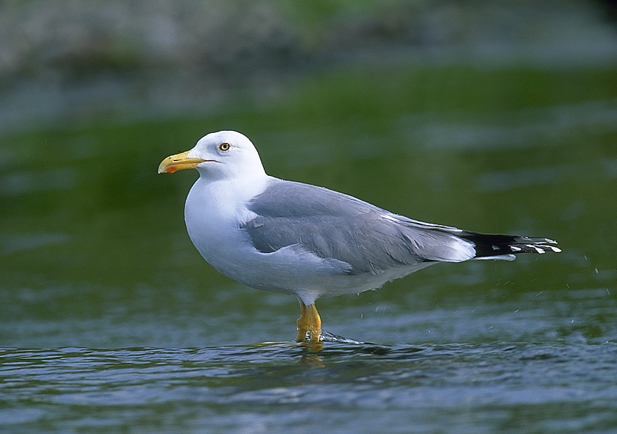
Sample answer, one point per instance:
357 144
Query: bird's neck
226 197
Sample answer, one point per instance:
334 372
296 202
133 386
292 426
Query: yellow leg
303 324
314 323
309 321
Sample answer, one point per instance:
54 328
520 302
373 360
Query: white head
220 155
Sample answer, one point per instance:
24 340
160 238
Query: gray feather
334 225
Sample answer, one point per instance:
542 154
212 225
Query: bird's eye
224 146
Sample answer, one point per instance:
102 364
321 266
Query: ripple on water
344 380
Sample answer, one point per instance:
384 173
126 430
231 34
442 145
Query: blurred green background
491 116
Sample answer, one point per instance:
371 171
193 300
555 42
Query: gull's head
225 154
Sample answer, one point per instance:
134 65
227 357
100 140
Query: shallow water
111 322
286 387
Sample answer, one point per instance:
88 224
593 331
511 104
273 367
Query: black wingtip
499 245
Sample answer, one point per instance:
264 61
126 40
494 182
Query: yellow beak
177 162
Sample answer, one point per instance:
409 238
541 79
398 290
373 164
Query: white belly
214 226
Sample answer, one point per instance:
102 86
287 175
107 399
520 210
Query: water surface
111 322
285 387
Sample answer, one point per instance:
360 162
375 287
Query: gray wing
334 225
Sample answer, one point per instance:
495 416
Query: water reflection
510 129
12 243
23 182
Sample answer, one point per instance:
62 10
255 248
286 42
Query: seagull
309 241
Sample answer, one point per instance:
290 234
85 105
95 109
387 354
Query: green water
112 322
